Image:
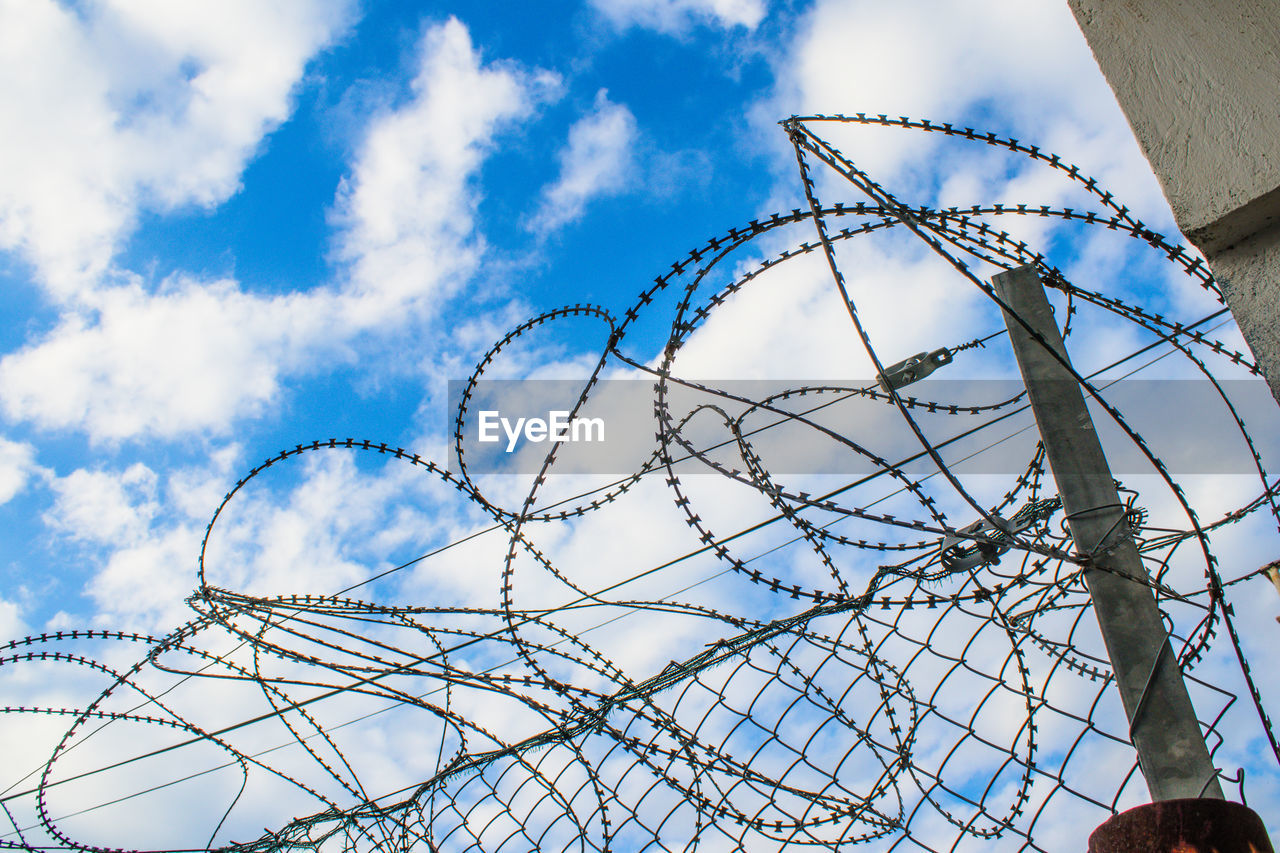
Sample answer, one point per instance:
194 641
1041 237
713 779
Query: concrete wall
1199 81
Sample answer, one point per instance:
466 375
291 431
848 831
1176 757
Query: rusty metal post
1183 826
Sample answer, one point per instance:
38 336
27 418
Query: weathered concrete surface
1249 274
1199 81
1183 826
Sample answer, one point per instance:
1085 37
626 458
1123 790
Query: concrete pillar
1199 81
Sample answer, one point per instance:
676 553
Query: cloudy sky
227 228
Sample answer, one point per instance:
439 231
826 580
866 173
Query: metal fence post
1162 722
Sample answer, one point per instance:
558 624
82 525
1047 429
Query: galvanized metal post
1162 722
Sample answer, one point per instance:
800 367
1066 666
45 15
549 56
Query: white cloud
17 462
1024 64
104 507
196 356
338 523
147 553
11 622
130 105
144 583
994 50
673 16
409 207
790 321
596 161
1025 67
192 358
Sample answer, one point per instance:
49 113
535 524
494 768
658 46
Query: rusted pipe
1183 826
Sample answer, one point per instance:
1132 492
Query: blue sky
227 229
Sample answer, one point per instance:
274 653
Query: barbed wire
960 695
